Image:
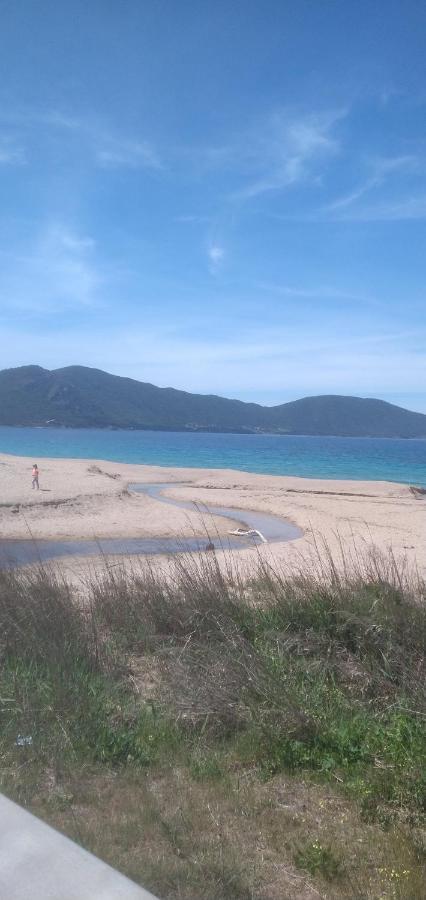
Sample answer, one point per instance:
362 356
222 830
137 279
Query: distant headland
82 397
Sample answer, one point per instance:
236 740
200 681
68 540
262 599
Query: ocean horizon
360 459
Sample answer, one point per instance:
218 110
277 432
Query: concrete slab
38 863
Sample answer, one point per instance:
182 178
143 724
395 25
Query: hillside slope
77 396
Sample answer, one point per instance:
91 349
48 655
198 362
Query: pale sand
89 499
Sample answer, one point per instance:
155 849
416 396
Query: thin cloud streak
323 292
11 153
193 219
289 149
109 148
382 169
57 271
274 153
116 153
406 209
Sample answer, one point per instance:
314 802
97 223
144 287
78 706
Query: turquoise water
321 457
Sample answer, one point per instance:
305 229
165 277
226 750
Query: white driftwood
241 532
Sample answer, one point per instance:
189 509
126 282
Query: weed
318 858
206 766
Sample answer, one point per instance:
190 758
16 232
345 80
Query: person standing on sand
35 474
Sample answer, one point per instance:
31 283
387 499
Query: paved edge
39 863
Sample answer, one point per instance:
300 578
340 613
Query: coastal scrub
178 724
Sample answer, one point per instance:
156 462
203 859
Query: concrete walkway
38 863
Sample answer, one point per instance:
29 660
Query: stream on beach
14 553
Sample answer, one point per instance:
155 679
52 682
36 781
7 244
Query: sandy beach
87 499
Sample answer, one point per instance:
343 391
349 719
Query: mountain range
81 397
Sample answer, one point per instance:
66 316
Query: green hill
80 397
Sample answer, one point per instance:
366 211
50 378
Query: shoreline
326 458
86 499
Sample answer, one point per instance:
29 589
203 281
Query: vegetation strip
213 705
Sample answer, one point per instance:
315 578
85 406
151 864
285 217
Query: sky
222 197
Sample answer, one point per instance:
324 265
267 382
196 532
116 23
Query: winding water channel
24 552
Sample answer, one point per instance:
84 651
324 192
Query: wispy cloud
115 152
192 219
57 271
404 209
273 153
288 150
11 153
109 148
322 292
380 171
216 256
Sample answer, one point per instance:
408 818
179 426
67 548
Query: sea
362 459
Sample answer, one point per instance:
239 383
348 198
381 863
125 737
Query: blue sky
224 197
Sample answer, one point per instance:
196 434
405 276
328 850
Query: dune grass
216 737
